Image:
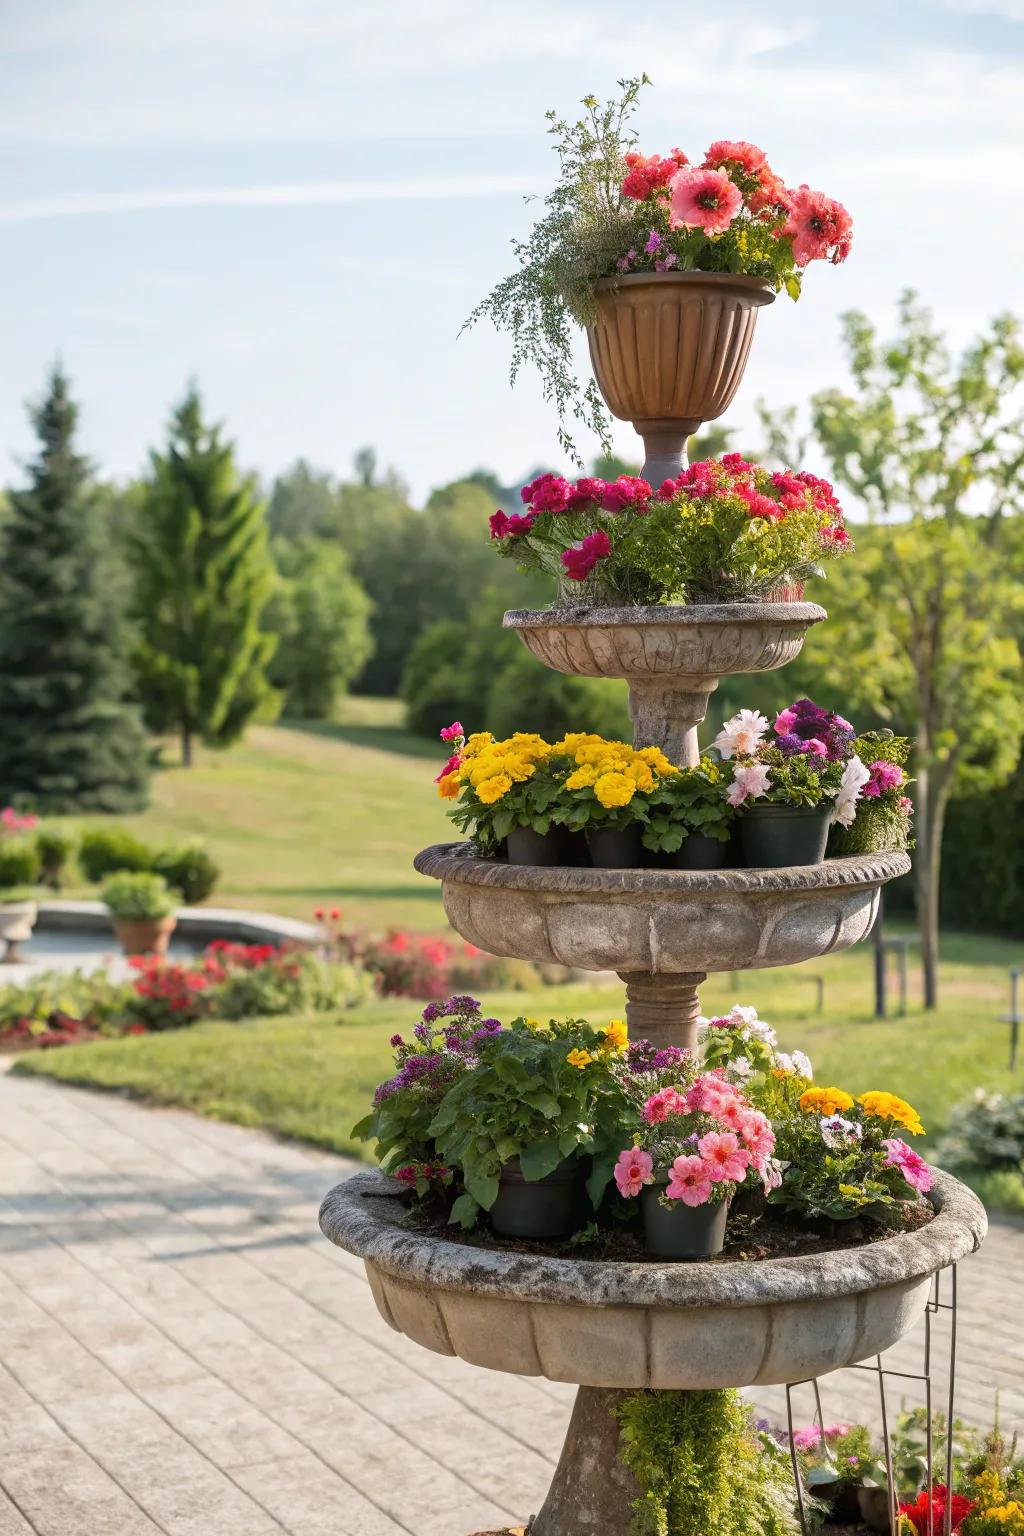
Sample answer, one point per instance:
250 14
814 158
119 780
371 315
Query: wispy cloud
279 195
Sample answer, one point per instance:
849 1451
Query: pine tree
68 740
203 574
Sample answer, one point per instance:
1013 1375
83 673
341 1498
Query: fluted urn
669 349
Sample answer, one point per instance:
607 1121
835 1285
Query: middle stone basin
659 921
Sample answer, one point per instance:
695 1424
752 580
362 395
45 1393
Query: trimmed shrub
19 863
104 851
55 848
190 870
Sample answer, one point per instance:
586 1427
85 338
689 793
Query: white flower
749 782
855 776
742 735
754 1028
838 1133
772 1175
740 1067
802 1064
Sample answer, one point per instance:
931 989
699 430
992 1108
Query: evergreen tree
68 740
202 576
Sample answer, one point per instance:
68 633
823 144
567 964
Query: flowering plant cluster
722 530
238 981
883 812
693 800
696 1133
615 211
805 759
524 781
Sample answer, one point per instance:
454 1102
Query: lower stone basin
666 1326
658 921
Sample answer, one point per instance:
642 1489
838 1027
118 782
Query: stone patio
181 1352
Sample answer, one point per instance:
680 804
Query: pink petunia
667 1101
705 200
690 1181
749 782
747 158
723 1157
633 1170
819 227
910 1163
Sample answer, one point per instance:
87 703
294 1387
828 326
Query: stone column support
591 1492
663 1008
666 713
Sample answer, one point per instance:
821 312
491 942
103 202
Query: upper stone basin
660 920
628 1325
671 656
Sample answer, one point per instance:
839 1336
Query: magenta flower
633 1170
910 1163
580 560
654 243
451 731
668 1101
690 1181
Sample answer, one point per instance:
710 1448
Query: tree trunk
186 747
932 801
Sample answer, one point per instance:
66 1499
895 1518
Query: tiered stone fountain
614 1327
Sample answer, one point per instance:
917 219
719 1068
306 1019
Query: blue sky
298 201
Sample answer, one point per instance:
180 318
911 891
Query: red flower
335 914
746 158
581 559
819 227
648 174
917 1513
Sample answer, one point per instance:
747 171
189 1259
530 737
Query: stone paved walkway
181 1352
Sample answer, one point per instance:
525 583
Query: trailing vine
703 1467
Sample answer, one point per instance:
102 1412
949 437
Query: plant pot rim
759 289
675 615
774 809
169 919
365 1216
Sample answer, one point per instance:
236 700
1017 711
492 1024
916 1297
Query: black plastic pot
612 848
777 836
551 1207
700 852
525 846
682 1231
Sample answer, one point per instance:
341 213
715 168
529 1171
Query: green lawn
311 1077
301 818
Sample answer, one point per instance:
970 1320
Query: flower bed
723 530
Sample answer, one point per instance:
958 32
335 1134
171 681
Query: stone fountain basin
659 920
692 643
667 1326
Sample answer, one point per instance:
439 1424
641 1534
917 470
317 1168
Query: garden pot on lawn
700 852
614 848
668 350
144 935
682 1231
551 1207
17 919
777 836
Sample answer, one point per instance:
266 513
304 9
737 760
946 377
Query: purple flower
645 1056
431 1012
654 243
396 1041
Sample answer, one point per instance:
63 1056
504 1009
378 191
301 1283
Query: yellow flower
578 1058
641 775
886 1106
614 789
582 778
655 758
536 1025
448 787
616 1035
825 1101
476 743
493 789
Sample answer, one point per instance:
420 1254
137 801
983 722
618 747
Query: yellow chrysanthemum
581 778
616 1035
476 743
493 789
578 1058
825 1101
641 775
887 1106
614 789
448 787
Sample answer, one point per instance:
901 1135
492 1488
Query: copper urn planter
669 349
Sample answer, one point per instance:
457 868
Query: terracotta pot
668 350
144 935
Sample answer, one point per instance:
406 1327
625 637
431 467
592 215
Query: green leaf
482 1186
540 1158
465 1212
600 1177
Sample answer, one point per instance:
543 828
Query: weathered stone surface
660 921
671 656
674 1326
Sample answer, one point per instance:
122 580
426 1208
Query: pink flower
633 1170
749 782
667 1101
807 1439
705 200
723 1157
747 158
451 731
670 261
819 227
758 1138
906 805
709 1094
690 1181
770 196
455 761
785 721
498 523
883 776
586 491
580 560
548 493
647 174
815 747
910 1163
624 492
836 536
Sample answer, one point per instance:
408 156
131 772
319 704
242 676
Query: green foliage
139 895
702 1467
983 860
293 982
103 850
55 848
320 615
525 695
985 1135
68 740
526 1099
19 862
202 577
882 822
189 870
78 994
693 800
